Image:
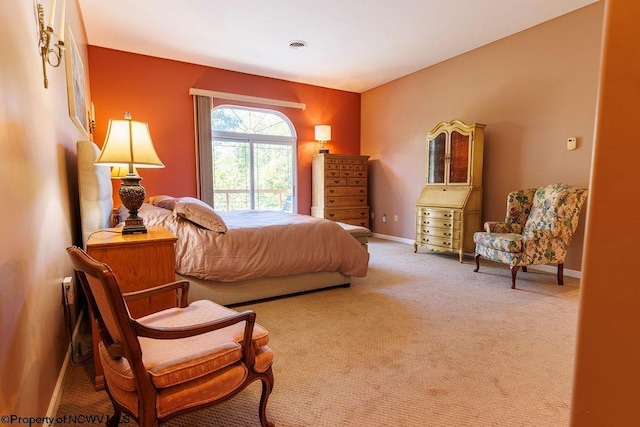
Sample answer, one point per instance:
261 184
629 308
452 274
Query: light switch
571 143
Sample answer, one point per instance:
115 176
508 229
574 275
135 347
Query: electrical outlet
395 218
372 215
571 143
384 217
67 287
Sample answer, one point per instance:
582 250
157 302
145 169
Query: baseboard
393 238
57 395
545 268
553 269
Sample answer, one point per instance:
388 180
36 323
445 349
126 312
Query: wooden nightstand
139 261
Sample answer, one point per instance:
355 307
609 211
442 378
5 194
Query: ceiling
352 45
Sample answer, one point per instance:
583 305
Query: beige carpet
421 341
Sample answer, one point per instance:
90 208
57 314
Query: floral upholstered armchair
537 229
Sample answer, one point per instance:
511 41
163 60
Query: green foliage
272 176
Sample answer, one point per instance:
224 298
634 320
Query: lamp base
134 229
132 196
324 151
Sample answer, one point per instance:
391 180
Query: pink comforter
261 244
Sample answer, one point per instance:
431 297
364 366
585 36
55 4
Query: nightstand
139 261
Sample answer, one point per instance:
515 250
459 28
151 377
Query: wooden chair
176 360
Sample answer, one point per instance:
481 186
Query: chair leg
267 386
477 263
560 274
115 419
514 271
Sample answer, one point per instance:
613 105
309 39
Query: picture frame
76 89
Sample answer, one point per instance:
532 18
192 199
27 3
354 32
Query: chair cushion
505 242
194 356
172 362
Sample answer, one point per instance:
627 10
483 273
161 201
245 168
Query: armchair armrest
501 227
169 333
181 285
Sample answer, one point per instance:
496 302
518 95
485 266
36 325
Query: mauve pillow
163 201
200 213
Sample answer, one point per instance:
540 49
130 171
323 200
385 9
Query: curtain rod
247 98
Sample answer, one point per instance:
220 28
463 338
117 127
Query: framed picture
76 89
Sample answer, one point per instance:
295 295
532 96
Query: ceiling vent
297 44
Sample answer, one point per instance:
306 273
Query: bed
201 251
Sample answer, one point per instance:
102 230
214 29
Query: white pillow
200 213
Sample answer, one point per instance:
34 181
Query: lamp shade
323 132
128 142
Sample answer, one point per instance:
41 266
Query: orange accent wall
157 91
607 370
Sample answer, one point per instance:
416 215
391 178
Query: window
253 159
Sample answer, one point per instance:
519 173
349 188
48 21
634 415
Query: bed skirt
235 293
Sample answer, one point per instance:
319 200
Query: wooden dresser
139 261
449 209
339 188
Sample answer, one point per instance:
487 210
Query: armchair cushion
505 242
171 362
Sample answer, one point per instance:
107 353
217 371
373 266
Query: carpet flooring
421 341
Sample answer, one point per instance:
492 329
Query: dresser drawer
340 214
336 182
426 213
345 201
353 174
361 167
356 181
439 223
332 173
446 233
438 243
345 191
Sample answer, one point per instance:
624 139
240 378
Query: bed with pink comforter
259 244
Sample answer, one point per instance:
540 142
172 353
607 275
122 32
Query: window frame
256 138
